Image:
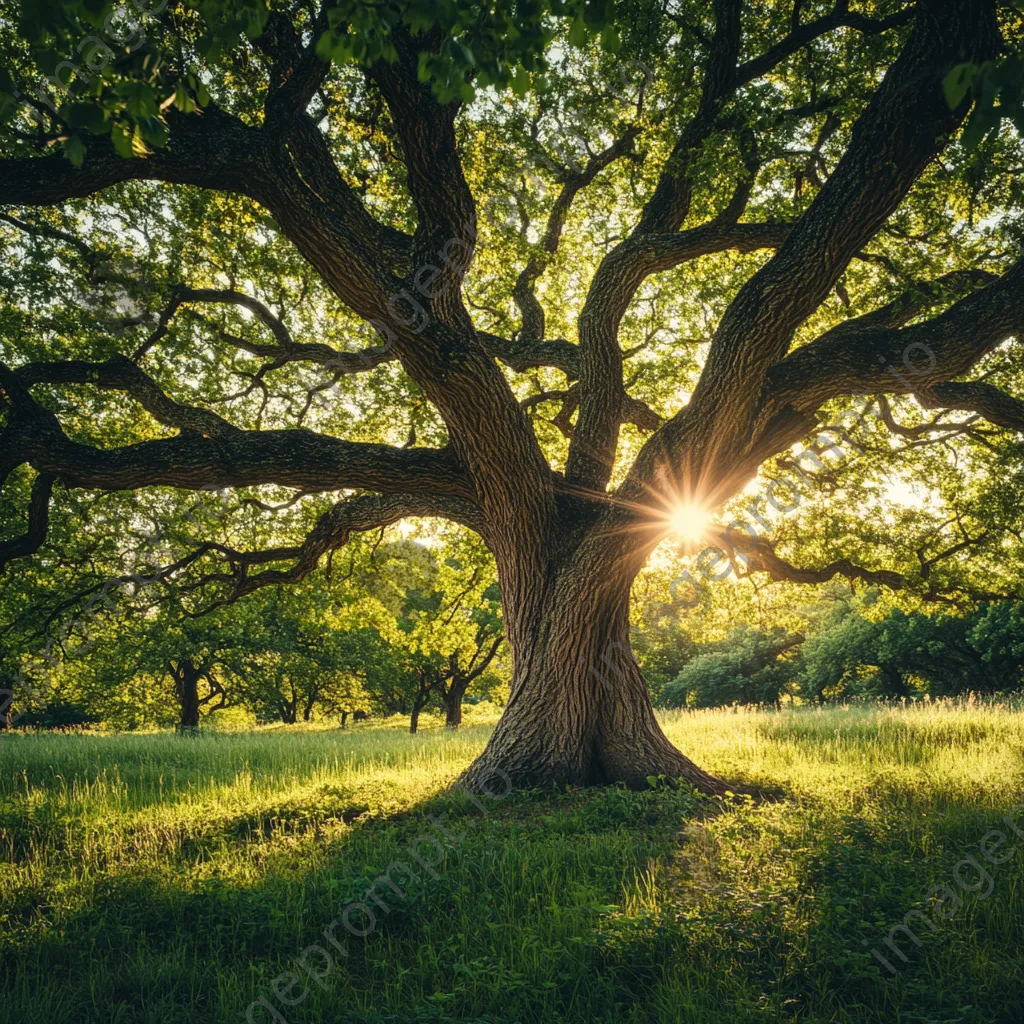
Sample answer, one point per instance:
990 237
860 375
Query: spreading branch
359 514
903 128
232 458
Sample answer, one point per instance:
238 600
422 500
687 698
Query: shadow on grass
500 924
783 905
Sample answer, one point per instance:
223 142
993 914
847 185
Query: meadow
152 878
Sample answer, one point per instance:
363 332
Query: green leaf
325 46
984 118
121 137
139 99
8 107
74 150
520 82
611 41
154 131
578 32
139 147
182 100
419 21
88 116
958 82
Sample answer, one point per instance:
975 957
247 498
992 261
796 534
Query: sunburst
689 521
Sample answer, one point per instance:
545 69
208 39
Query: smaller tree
998 635
899 654
448 628
187 675
306 651
195 654
470 661
749 667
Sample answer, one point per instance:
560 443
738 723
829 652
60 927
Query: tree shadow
490 899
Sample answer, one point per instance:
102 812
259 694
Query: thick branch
986 400
668 207
902 129
622 271
120 374
333 530
215 151
867 355
236 458
445 209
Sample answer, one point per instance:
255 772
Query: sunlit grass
160 879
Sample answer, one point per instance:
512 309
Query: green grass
148 878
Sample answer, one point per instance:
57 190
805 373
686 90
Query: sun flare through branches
689 521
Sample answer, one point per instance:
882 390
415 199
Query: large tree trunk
579 712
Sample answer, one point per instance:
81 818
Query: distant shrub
61 716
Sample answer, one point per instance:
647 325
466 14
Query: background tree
447 623
688 283
748 667
305 653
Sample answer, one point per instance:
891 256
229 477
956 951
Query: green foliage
483 45
109 69
57 715
903 654
996 90
748 667
855 648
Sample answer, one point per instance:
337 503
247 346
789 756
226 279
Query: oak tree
564 273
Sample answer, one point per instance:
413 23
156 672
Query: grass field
148 878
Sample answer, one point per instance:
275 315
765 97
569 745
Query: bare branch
760 556
839 17
530 309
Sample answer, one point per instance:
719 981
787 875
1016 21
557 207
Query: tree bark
453 701
344 719
307 710
579 712
186 681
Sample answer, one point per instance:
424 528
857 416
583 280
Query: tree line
853 649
